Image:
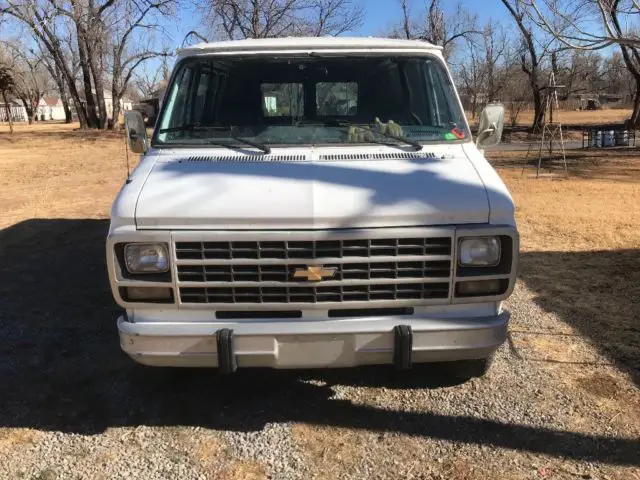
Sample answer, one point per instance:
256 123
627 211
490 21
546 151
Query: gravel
74 407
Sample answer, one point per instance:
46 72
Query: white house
50 108
125 103
16 109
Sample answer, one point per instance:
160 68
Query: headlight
146 257
479 252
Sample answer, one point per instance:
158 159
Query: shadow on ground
597 293
52 132
62 369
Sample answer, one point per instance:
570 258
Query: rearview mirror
491 125
136 132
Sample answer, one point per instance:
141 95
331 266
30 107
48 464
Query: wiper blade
400 138
200 128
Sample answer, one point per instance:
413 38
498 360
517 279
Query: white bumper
313 343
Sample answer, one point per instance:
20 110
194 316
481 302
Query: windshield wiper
343 123
201 128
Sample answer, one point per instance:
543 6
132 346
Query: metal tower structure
551 128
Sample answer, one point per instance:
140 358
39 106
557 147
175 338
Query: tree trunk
634 121
8 111
29 109
64 98
92 118
68 116
538 109
70 80
115 124
99 85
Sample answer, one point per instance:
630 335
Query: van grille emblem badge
315 273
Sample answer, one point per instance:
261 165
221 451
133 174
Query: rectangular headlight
146 257
479 252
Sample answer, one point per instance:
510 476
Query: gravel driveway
73 406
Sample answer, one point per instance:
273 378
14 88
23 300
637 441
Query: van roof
293 45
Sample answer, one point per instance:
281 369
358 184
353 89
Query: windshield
311 100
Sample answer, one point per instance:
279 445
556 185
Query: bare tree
104 33
131 44
534 48
6 85
59 80
480 71
44 20
494 45
277 18
572 24
29 75
146 81
516 92
435 26
577 18
473 77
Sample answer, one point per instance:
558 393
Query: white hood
235 192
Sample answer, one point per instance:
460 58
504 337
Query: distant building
16 109
50 108
125 103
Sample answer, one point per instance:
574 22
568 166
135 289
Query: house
125 103
17 110
50 108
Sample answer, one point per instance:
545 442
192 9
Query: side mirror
136 132
491 125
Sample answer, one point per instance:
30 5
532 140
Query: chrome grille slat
315 294
308 261
261 272
284 272
314 249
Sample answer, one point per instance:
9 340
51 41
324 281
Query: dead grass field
580 257
582 117
55 171
580 243
576 117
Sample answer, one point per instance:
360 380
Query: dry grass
597 207
573 117
56 171
11 437
582 117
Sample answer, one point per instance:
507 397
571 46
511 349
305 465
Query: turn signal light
478 288
147 294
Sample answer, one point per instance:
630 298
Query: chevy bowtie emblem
315 273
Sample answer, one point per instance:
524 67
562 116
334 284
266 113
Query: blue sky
380 14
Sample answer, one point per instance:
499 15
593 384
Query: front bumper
312 343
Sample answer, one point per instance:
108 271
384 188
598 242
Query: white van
312 203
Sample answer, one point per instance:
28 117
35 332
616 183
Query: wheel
467 369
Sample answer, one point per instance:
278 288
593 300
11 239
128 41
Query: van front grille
359 270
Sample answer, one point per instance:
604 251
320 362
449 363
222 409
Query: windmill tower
552 127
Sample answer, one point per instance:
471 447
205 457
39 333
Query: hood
389 188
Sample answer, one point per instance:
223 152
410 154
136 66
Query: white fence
18 114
